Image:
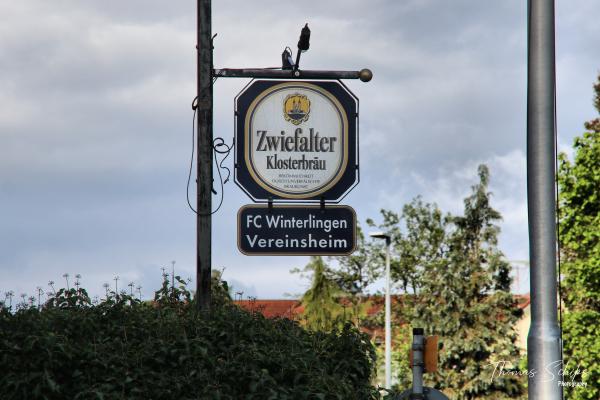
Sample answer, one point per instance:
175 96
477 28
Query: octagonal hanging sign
296 140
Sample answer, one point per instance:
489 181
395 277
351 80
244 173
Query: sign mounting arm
364 75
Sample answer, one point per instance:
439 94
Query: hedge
122 348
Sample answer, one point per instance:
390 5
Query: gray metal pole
543 341
388 318
205 155
418 348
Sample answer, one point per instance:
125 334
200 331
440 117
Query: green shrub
122 348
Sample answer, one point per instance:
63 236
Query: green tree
322 310
465 299
353 274
579 229
418 241
458 287
402 343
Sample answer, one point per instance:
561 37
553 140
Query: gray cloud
95 121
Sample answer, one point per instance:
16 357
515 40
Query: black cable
217 144
187 190
220 142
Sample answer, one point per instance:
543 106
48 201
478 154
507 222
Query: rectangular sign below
300 230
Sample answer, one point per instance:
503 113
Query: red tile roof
273 308
523 300
293 308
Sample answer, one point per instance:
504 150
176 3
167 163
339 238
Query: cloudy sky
95 122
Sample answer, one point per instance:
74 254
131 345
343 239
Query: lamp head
304 42
379 235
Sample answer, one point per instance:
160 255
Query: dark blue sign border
296 230
349 178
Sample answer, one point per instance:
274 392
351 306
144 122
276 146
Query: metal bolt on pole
544 339
205 154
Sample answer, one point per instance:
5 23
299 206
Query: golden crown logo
296 108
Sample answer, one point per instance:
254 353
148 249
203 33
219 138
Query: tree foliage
356 272
123 348
353 275
458 287
579 230
465 298
322 308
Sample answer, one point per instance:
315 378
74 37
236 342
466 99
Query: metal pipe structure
544 339
205 155
418 348
364 75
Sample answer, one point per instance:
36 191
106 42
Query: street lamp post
388 307
544 343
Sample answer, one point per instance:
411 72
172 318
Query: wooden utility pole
205 154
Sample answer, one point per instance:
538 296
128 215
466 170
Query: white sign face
296 138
